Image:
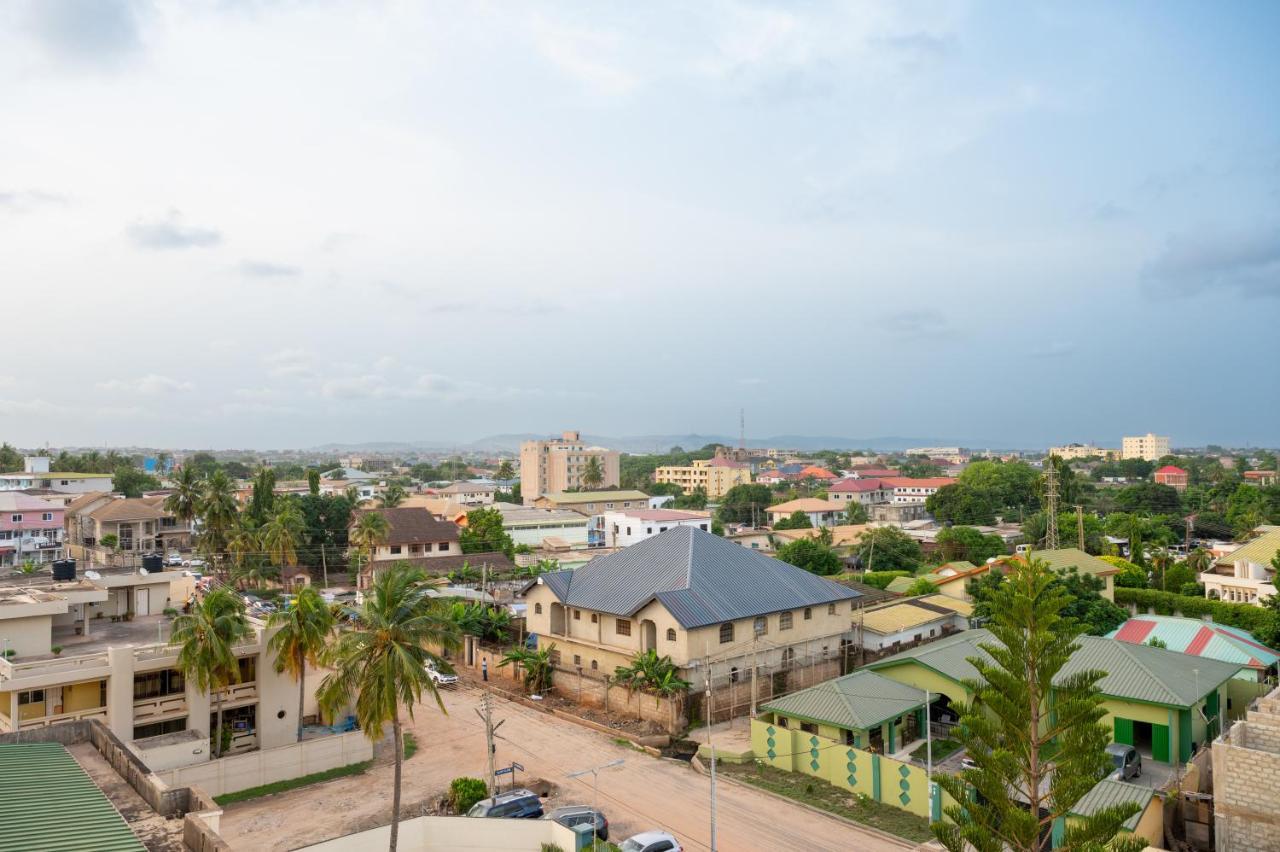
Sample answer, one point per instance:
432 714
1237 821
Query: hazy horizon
244 224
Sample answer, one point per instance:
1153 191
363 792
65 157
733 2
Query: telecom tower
1051 505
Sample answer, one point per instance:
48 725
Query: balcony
155 709
44 721
240 693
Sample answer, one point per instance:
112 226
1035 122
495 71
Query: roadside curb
696 763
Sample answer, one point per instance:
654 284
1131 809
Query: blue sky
278 224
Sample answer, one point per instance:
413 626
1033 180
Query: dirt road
644 793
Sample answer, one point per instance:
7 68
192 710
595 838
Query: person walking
484 668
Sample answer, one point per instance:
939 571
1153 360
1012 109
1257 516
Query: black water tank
64 570
153 562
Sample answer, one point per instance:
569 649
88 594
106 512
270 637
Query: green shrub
1261 622
881 579
465 792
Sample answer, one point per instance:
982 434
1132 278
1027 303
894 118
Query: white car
174 558
439 678
193 563
651 841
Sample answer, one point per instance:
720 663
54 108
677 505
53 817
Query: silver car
1125 760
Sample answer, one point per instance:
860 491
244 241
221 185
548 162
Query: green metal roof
859 701
900 584
1132 672
1260 551
1068 557
48 802
1108 793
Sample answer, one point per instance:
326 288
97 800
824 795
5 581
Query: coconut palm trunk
217 733
302 689
398 733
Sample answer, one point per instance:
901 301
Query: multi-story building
912 490
1149 447
1245 575
1174 477
591 503
139 525
668 594
469 494
625 528
412 533
63 483
821 513
557 464
714 476
868 492
953 455
31 529
97 648
1082 451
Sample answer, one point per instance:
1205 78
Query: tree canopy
484 533
743 504
888 549
811 555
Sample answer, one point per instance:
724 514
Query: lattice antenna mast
742 428
1051 506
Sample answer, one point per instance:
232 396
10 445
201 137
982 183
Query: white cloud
290 363
151 384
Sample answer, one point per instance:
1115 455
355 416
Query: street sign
515 765
505 770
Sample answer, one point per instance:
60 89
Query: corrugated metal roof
1133 672
861 700
1074 557
1259 551
699 577
48 802
947 602
900 616
1108 793
568 497
1198 638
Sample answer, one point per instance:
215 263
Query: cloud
917 322
386 362
1209 261
1055 349
293 363
100 33
7 381
587 55
151 384
22 201
170 233
28 407
263 269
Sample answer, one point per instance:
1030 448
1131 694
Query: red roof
855 486
1171 469
819 472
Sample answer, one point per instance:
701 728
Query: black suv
514 804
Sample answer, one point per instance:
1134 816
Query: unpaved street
645 793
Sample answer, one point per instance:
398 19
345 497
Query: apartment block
31 529
97 648
139 525
1082 451
557 464
714 476
1149 447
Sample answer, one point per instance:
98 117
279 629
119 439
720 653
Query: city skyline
245 225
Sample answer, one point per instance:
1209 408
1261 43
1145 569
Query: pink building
30 529
1172 476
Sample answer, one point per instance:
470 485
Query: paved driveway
644 793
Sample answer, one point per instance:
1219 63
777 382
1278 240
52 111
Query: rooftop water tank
153 562
64 570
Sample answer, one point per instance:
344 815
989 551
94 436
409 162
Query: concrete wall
240 772
28 637
1246 778
456 834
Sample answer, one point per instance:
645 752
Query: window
395 549
761 625
733 675
809 727
784 621
47 516
158 684
577 659
831 609
622 626
444 545
155 729
594 618
648 531
808 613
537 609
17 519
33 696
726 633
853 606
628 530
594 665
662 529
782 721
702 527
788 657
577 615
671 634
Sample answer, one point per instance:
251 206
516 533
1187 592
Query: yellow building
714 476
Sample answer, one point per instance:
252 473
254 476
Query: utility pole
712 749
1080 526
490 729
1051 505
324 565
755 664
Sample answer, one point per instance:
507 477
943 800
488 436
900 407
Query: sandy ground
645 793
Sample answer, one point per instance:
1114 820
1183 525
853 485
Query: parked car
651 841
173 559
1126 761
573 815
514 804
193 563
440 678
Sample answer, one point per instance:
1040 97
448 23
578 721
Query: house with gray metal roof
693 596
1164 703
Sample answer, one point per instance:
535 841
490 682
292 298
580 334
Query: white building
63 483
913 491
625 528
1150 447
1081 451
470 494
544 527
955 455
868 492
1245 575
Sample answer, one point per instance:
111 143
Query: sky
258 224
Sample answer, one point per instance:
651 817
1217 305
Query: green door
1124 731
1160 743
1211 710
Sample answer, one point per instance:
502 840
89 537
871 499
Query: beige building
140 525
1150 447
591 503
671 593
97 648
1082 451
557 464
714 476
1245 575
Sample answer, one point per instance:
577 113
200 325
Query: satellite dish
143 571
92 575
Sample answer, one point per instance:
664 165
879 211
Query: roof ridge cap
1128 647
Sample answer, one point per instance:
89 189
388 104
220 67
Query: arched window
726 632
537 609
671 634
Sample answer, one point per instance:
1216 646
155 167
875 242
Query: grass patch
410 745
293 783
941 749
821 795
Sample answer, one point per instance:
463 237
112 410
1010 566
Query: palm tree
1199 560
220 515
352 493
393 496
208 635
281 535
379 663
592 473
371 529
243 544
304 630
505 470
184 502
535 664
